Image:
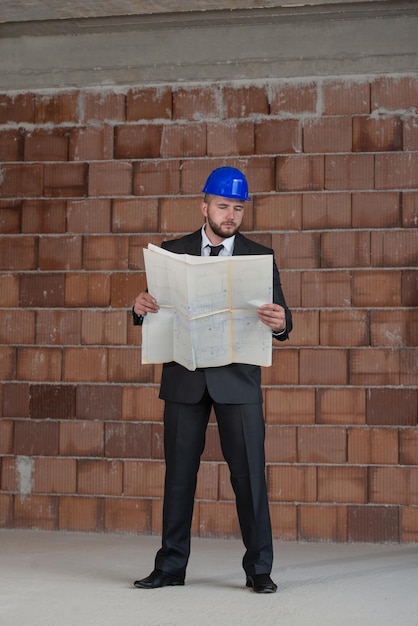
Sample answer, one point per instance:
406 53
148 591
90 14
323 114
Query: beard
221 231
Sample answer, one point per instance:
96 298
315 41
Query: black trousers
242 432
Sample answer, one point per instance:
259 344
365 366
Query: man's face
223 217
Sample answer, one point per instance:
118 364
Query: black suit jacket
237 383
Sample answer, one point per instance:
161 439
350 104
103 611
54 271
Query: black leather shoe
261 583
158 578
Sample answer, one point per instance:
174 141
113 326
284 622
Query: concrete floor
78 579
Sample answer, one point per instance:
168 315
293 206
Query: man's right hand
145 303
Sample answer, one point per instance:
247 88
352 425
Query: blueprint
208 305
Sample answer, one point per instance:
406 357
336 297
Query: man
233 390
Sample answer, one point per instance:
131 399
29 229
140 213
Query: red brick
143 479
373 135
240 102
139 141
42 290
373 446
87 290
342 484
345 97
17 254
289 483
17 327
281 446
21 180
7 363
229 139
38 512
375 209
58 327
394 93
110 179
341 406
284 369
376 524
350 171
322 444
99 477
18 108
297 250
51 401
60 253
39 364
196 103
217 519
394 171
103 327
408 374
284 521
394 328
278 212
306 328
300 173
85 365
409 524
142 403
134 215
225 491
374 366
374 288
156 178
278 137
127 515
397 248
410 133
327 134
80 514
124 288
81 439
345 249
326 289
409 288
9 288
102 106
408 446
36 438
149 103
11 145
54 476
344 328
394 485
44 216
15 401
290 406
91 144
99 402
326 210
46 145
319 523
10 217
128 440
89 216
11 472
392 407
293 98
57 108
319 367
409 209
182 140
65 180
125 366
6 438
102 252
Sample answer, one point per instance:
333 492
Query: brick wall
88 178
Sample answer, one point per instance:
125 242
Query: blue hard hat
227 182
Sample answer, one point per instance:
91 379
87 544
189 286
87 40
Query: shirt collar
227 243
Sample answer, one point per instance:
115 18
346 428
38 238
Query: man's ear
204 208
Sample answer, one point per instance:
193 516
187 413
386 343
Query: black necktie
215 250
